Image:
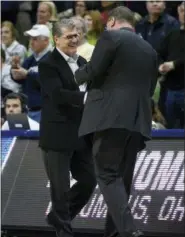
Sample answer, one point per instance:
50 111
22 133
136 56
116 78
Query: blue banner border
168 133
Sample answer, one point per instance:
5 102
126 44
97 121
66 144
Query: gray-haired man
62 109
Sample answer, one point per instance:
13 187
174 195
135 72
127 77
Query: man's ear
55 38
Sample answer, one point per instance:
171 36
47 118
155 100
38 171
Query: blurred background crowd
26 31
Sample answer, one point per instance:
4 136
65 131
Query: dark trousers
115 152
175 109
67 202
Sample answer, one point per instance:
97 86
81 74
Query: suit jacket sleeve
163 50
52 86
101 59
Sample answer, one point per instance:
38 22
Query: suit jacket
62 104
123 75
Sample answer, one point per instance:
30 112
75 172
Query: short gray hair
122 14
63 24
80 23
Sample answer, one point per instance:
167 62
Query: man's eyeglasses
70 37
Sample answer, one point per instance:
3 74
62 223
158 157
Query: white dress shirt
72 62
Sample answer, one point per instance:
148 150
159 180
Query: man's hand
19 74
15 62
166 67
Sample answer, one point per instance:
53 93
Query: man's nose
75 39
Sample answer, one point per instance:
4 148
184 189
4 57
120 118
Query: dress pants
67 202
115 152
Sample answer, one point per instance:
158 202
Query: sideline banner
157 199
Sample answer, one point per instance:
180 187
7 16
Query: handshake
82 82
82 76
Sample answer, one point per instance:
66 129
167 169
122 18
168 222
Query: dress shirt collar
72 59
41 54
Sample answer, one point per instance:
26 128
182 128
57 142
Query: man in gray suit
122 73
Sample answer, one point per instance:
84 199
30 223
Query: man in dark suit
122 73
63 151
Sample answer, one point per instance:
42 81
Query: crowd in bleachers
26 32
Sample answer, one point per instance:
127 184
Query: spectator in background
95 26
157 24
154 28
172 53
46 12
158 121
46 15
80 8
16 103
9 43
7 84
84 49
27 75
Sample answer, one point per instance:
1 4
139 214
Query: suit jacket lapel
65 70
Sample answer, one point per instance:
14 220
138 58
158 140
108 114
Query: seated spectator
154 28
27 74
7 84
80 7
16 103
158 121
46 12
9 43
95 26
84 49
46 15
172 54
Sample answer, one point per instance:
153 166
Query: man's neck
153 18
123 25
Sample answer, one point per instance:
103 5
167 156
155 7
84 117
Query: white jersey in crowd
15 49
6 80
